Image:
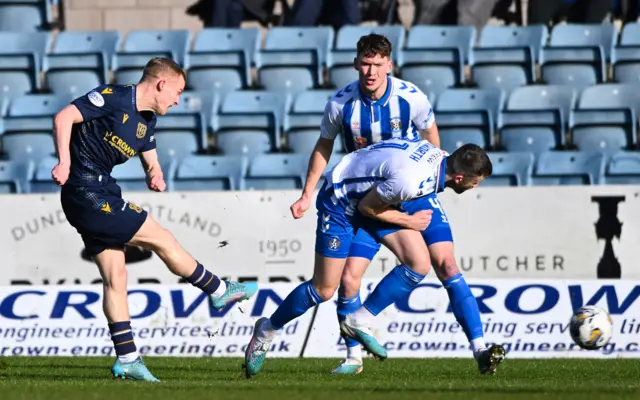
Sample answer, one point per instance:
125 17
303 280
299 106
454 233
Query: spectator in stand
575 11
461 12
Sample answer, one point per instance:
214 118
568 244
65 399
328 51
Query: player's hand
60 174
299 207
156 183
420 220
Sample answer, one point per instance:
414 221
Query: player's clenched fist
421 220
156 183
60 174
299 207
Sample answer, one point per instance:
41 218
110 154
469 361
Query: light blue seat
28 16
276 172
80 61
130 176
188 117
221 58
293 58
42 182
535 118
21 58
340 62
140 45
14 176
32 113
506 55
623 168
250 121
302 123
468 116
27 146
175 145
625 57
210 173
577 54
569 168
435 56
606 118
510 169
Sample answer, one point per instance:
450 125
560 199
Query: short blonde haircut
158 66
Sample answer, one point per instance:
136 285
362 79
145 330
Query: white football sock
221 289
127 358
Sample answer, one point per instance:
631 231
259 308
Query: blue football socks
464 306
295 304
396 284
347 306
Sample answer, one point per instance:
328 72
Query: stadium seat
577 54
606 118
32 113
623 168
210 173
435 56
175 145
13 176
27 146
21 57
293 58
302 123
510 169
139 46
221 58
535 117
130 176
625 58
340 61
468 116
24 16
80 61
249 122
187 117
276 172
569 168
42 181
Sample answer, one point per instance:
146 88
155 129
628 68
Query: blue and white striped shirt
402 112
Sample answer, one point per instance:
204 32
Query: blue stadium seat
569 168
24 16
625 58
435 56
249 122
188 117
32 113
210 173
577 54
130 176
535 117
14 176
302 123
510 169
623 168
175 145
139 46
340 61
293 58
606 118
221 58
27 146
276 172
21 57
507 55
468 116
80 61
42 181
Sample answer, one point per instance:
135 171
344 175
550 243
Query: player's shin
294 305
206 281
465 308
122 337
347 306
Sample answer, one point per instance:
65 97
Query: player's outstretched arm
373 206
317 163
155 177
62 124
431 135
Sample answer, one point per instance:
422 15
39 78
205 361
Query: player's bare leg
154 237
465 307
322 287
409 247
349 292
128 365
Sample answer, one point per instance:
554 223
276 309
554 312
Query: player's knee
419 262
325 291
445 268
350 282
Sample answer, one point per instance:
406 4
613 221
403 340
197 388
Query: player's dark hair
161 65
469 160
374 44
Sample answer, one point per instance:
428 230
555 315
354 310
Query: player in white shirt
379 107
372 182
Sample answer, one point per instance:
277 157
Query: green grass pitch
220 378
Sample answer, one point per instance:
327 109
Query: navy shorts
366 242
101 216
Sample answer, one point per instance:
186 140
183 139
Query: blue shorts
366 242
335 230
101 216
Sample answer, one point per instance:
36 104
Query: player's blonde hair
159 66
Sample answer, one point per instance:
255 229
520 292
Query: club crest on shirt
396 125
142 130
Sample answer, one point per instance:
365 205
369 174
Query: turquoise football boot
348 366
236 291
362 335
257 349
135 371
